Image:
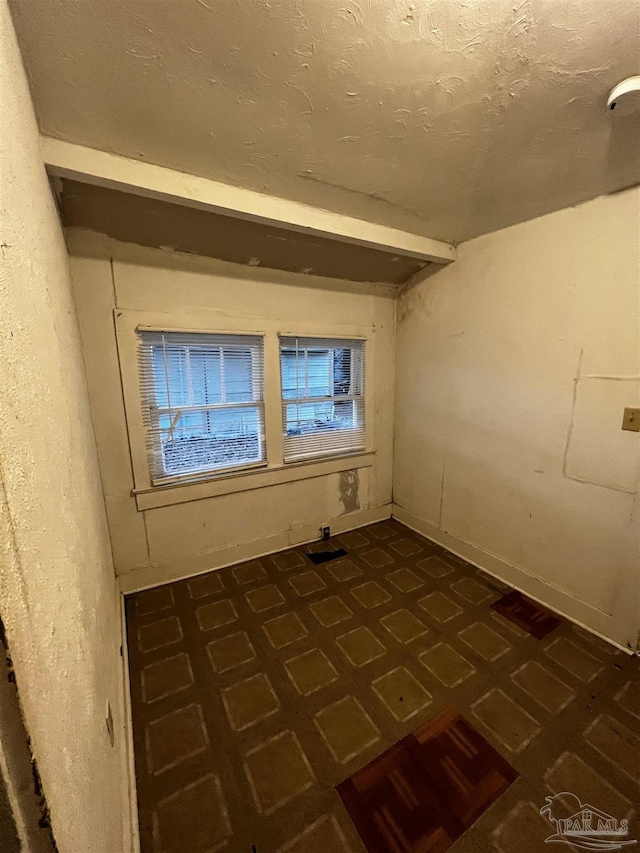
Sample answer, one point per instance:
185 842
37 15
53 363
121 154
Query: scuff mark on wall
349 487
444 462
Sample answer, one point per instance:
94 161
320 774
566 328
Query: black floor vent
325 556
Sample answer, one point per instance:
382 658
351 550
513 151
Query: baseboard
159 573
590 618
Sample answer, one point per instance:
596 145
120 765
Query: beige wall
513 368
58 595
181 291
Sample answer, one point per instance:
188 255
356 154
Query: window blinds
202 402
323 404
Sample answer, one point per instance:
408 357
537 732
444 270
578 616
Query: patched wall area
513 369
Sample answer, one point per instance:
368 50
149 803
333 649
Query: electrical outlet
631 419
325 532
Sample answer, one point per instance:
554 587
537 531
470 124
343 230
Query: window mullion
273 404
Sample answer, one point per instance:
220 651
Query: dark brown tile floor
258 688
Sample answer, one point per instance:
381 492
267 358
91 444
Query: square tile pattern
258 689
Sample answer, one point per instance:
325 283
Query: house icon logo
584 826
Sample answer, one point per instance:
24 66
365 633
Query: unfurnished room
319 426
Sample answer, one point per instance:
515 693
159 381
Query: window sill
248 480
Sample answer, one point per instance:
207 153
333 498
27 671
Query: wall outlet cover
631 419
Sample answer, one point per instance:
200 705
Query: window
203 402
322 397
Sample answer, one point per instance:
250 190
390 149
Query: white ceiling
450 118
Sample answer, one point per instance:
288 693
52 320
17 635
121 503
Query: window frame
123 374
329 398
155 413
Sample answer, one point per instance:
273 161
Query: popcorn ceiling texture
57 587
443 117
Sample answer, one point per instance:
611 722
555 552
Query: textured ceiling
447 117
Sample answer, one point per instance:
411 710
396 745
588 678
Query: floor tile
405 580
346 729
284 630
439 606
360 646
175 737
194 818
574 659
264 598
166 677
514 727
201 587
370 595
278 771
484 641
543 687
230 652
256 688
216 615
155 635
404 626
249 573
311 671
307 583
401 693
448 665
331 611
155 600
250 701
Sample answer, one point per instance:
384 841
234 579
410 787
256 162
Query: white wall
513 368
58 596
157 544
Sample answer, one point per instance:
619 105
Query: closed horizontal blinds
202 402
323 404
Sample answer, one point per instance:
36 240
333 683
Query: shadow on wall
24 819
9 841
